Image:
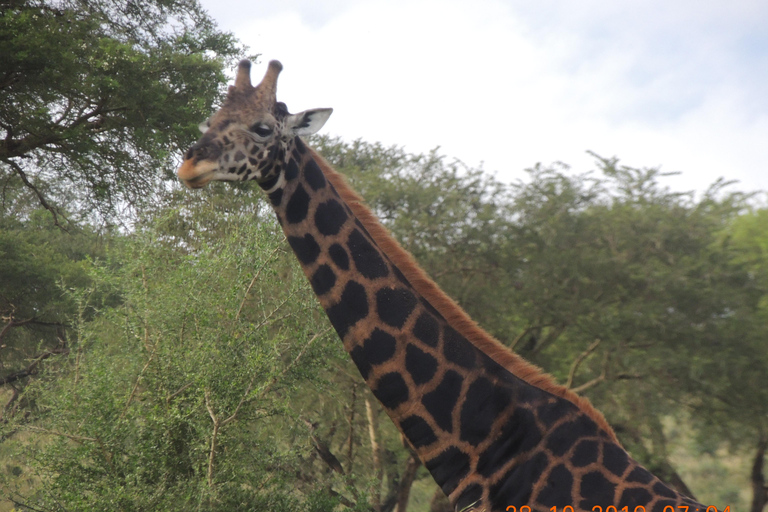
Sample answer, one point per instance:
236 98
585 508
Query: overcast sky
682 85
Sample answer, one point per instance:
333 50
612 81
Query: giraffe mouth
196 174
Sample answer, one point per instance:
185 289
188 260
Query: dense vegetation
161 350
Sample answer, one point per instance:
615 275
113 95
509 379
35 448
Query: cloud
515 83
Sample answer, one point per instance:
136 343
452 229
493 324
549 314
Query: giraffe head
246 137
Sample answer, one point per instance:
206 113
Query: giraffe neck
492 430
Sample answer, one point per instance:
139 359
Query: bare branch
43 201
77 439
376 453
136 384
322 449
177 393
253 281
214 437
32 368
577 362
351 421
404 489
597 380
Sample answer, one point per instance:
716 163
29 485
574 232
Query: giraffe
493 430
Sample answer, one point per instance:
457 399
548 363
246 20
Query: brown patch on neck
452 312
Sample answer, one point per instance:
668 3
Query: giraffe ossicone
493 430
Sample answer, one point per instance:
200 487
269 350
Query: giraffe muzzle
196 174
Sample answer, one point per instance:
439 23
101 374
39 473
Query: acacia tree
96 97
179 395
626 291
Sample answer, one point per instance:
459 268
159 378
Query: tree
649 301
37 262
623 289
98 97
178 396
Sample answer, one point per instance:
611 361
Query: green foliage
98 98
648 300
651 302
179 397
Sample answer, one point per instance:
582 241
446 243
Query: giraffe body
492 430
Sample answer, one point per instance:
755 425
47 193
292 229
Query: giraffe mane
451 311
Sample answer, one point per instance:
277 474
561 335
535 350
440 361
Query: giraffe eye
262 130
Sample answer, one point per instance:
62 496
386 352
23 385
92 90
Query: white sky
509 83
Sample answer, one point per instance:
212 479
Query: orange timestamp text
639 508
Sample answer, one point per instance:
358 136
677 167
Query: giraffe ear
307 122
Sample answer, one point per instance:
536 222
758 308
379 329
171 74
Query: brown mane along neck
452 312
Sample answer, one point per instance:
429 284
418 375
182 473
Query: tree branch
597 380
376 453
43 201
759 489
577 362
253 281
404 489
31 369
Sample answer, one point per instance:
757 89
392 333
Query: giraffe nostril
206 151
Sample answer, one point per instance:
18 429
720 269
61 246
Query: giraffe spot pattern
440 402
485 396
391 390
276 197
516 487
352 308
634 497
457 349
269 183
330 217
662 504
519 435
449 468
291 170
469 496
429 307
640 475
599 489
662 490
379 347
362 363
551 410
559 488
585 453
482 405
401 277
615 459
298 206
427 329
395 305
305 248
313 175
299 148
562 438
339 256
420 365
323 280
367 258
417 431
239 156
